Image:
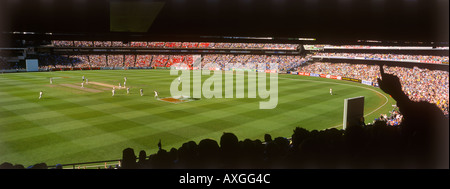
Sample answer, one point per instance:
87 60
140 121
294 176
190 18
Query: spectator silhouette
298 136
173 155
58 166
142 158
425 126
7 165
356 144
161 160
306 156
38 166
252 154
267 138
187 155
208 152
129 159
276 151
229 147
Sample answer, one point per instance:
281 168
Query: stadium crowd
102 44
285 62
80 61
130 60
98 60
419 84
83 43
145 44
58 61
394 119
115 60
424 85
356 71
374 47
159 60
390 57
143 60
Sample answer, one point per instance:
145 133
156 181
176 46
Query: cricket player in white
51 80
142 92
156 94
82 85
40 94
331 91
128 90
113 92
120 86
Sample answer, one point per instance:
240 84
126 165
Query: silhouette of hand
390 84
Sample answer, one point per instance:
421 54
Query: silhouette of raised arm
390 84
423 123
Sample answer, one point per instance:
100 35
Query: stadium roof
414 20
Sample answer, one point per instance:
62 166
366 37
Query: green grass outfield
72 125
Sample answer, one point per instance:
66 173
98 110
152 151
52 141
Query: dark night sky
414 20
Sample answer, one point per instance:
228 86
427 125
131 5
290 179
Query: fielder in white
156 94
113 92
40 94
331 91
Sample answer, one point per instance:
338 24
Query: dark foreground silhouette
421 141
